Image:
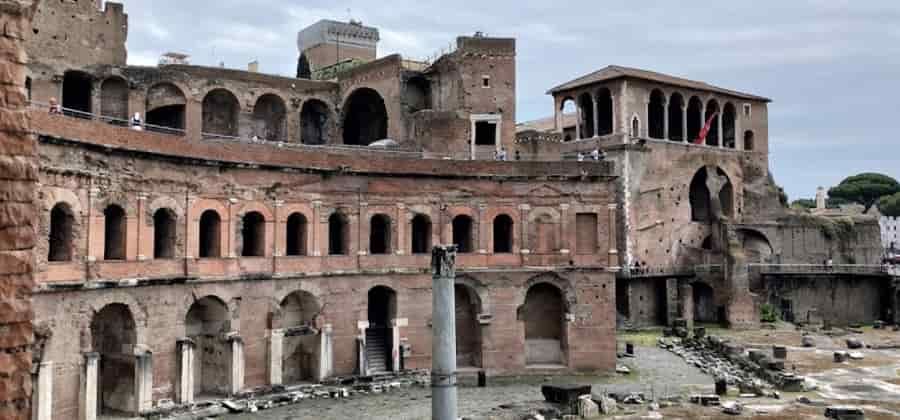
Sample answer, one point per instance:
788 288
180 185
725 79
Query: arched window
61 222
587 115
604 112
676 117
656 115
220 113
296 235
253 233
712 110
503 234
544 316
269 116
702 208
338 234
165 107
380 234
635 127
314 122
114 100
568 118
210 235
365 118
114 234
463 233
729 115
164 234
421 234
748 140
695 119
78 91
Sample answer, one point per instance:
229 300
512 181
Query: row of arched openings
365 113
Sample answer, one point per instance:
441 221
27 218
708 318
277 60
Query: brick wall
18 178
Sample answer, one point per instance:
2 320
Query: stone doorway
544 316
382 310
207 323
114 337
468 330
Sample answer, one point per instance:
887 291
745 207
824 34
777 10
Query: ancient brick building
250 230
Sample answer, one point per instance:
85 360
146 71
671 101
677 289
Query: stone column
396 324
523 218
326 355
237 362
362 362
665 120
671 301
613 253
596 115
684 130
279 236
87 409
484 230
276 352
185 353
686 304
143 381
738 133
42 394
720 130
564 230
443 361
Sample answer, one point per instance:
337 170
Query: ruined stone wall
327 54
76 35
384 77
18 179
839 299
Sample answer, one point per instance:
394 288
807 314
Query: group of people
501 155
137 122
595 154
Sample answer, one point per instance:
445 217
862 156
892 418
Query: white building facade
890 233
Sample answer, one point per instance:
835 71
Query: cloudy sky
832 67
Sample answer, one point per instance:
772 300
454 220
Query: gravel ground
653 371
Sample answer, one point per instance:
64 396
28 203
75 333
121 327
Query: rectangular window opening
485 133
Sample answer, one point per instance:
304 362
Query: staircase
377 349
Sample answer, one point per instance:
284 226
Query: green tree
889 205
865 189
803 203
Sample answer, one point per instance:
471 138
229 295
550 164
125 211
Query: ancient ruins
204 231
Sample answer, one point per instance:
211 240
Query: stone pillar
443 361
484 229
523 219
145 246
703 119
396 324
363 230
401 241
231 232
276 352
143 381
237 363
185 353
721 131
326 355
686 304
665 120
684 130
362 363
613 261
279 236
314 229
564 229
596 115
42 394
87 409
578 117
671 301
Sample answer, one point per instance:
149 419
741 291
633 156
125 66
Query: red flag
701 138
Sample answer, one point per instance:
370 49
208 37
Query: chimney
820 198
253 66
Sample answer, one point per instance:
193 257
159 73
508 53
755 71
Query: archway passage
701 202
116 225
729 119
421 234
77 94
113 336
704 303
220 113
165 107
656 123
756 246
417 94
468 331
164 234
269 117
114 100
695 119
604 112
503 234
463 233
380 234
210 235
382 309
365 118
253 233
568 114
314 122
62 221
296 235
712 111
338 234
586 105
300 352
544 315
206 323
676 120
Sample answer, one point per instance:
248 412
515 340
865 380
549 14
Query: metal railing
820 268
75 113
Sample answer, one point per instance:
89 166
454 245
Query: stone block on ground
854 343
587 408
808 341
845 413
564 393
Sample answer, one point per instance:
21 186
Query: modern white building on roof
890 234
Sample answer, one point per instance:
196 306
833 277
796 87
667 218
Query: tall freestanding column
88 406
185 348
443 344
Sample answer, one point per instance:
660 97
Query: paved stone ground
654 371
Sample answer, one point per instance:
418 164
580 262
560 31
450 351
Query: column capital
233 200
524 207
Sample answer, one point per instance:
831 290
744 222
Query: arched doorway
365 118
382 310
463 234
165 107
115 228
468 330
296 227
604 112
206 323
568 116
210 235
114 336
338 234
713 112
544 316
704 303
62 221
220 113
656 115
421 234
586 119
164 234
503 234
77 96
253 235
314 122
269 117
380 234
729 120
300 351
676 117
695 119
